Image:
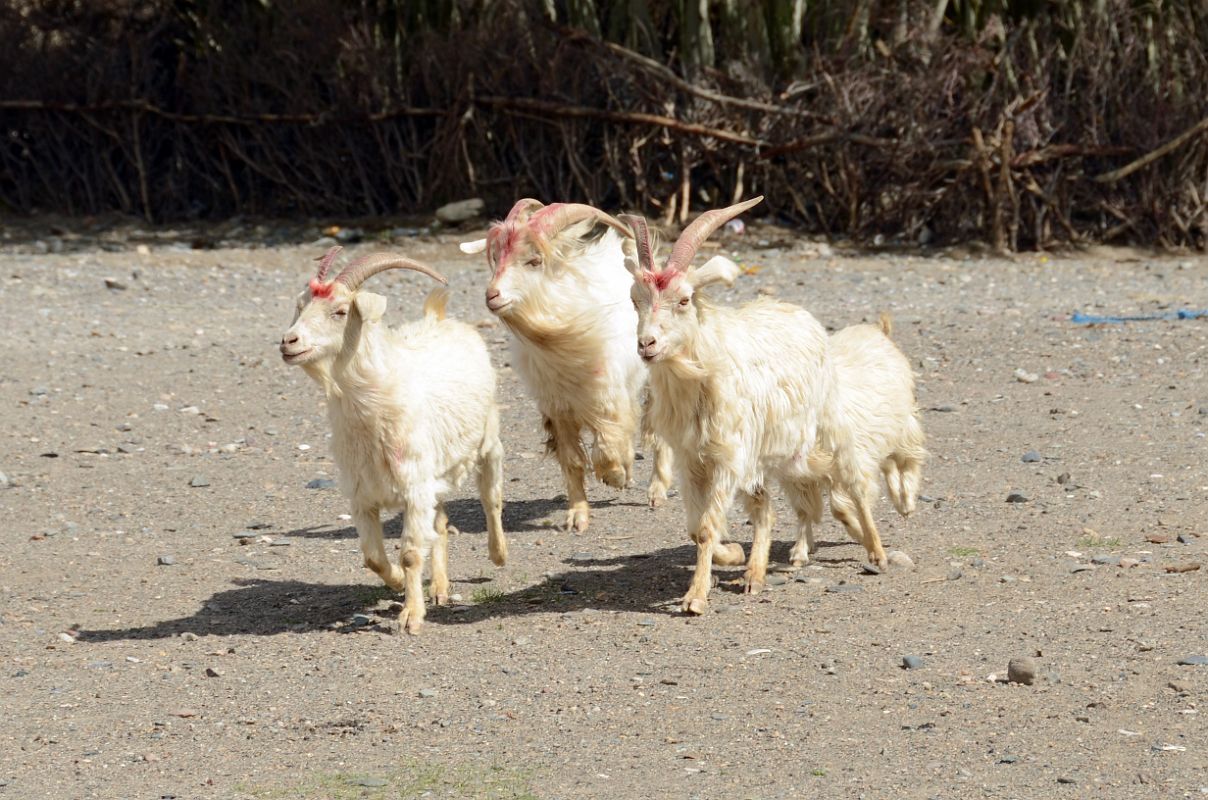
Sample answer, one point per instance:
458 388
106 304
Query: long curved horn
365 267
525 206
702 228
555 218
641 236
326 260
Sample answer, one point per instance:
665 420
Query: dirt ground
152 421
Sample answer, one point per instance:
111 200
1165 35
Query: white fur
412 411
567 303
871 416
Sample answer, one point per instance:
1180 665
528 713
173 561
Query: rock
955 574
912 662
1022 670
900 560
1103 558
1008 759
870 569
1081 568
245 535
361 619
1185 539
844 588
1007 579
427 693
321 483
944 409
462 210
1067 779
115 285
166 561
719 717
198 482
213 673
183 713
1031 457
774 579
1023 376
1016 497
39 391
1194 661
188 636
4 482
1126 563
1179 687
646 623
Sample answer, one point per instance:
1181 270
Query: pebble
1194 661
646 623
1022 670
198 481
912 662
1016 497
166 561
720 717
245 535
776 580
213 673
1081 568
188 636
321 483
1067 779
955 574
1007 579
184 713
4 482
39 391
427 693
870 569
1103 558
1129 562
944 409
1186 539
900 560
1023 376
460 211
115 284
1031 457
844 588
361 619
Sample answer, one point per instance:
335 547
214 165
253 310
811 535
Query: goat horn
524 206
555 218
326 260
701 229
365 267
641 235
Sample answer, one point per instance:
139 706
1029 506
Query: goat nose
492 294
287 339
645 342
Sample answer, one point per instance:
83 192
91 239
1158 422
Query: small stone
460 211
115 284
1105 559
188 636
944 409
166 561
1023 376
1031 457
776 580
1126 563
427 693
321 483
213 673
1063 478
1181 688
955 574
1067 780
719 717
184 713
4 482
1186 539
1194 661
245 535
39 391
1021 670
870 569
67 637
900 560
912 662
1081 568
844 588
1016 497
198 481
646 623
361 619
1007 579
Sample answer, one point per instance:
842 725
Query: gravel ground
181 616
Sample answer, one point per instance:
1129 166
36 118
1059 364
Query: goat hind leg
490 492
806 500
369 530
759 506
564 442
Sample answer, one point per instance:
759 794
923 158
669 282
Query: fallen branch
1154 155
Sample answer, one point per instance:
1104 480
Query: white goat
871 414
565 297
739 394
412 410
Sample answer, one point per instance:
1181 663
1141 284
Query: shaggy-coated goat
870 414
412 411
565 297
737 394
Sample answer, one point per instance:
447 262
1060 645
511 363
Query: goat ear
476 246
630 250
370 306
718 269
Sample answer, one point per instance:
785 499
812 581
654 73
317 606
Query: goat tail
435 302
886 324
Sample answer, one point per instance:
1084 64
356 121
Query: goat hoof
657 496
696 606
452 530
577 520
440 600
411 621
753 584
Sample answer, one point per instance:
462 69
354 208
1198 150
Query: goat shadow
649 583
519 516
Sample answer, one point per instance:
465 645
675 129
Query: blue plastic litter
1078 318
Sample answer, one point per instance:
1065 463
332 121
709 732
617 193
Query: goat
412 410
565 298
737 394
870 413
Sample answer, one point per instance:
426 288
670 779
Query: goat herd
735 397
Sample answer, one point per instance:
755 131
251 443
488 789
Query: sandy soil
154 421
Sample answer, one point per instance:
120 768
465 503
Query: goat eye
684 302
340 312
534 262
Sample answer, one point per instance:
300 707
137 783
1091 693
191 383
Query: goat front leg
661 475
612 454
368 521
759 507
490 492
707 498
806 499
438 589
564 442
419 536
